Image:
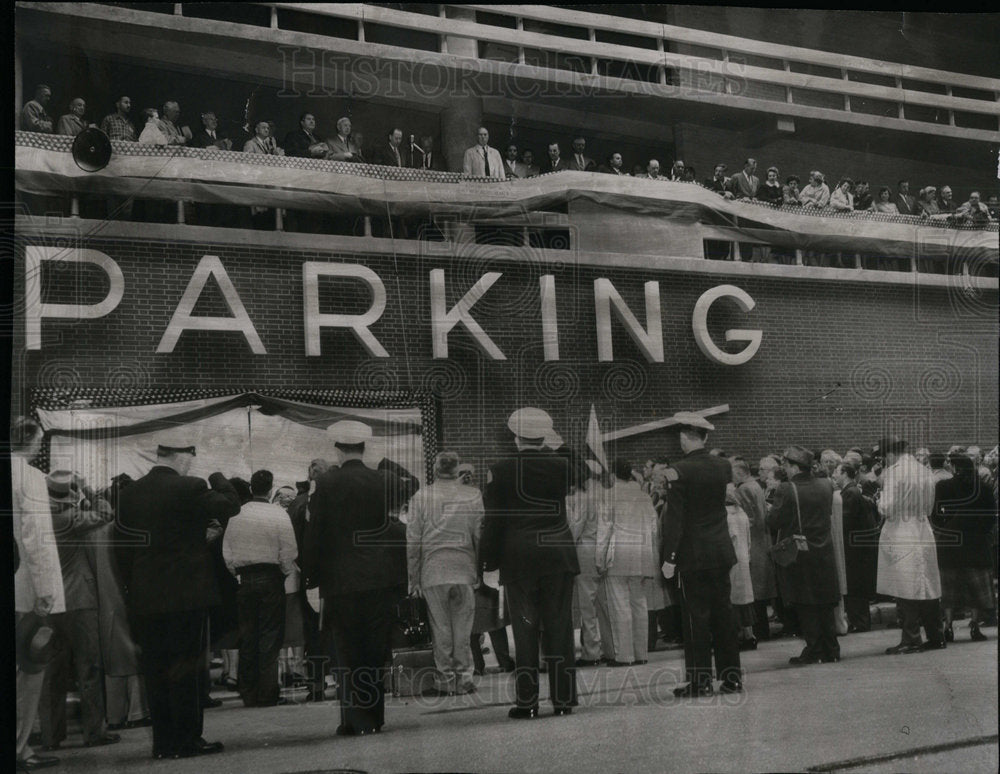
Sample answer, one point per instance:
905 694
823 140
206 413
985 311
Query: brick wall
921 362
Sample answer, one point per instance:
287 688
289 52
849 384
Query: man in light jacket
907 555
626 556
442 540
481 160
38 582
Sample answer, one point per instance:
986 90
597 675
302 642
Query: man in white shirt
38 582
259 548
581 162
481 160
907 555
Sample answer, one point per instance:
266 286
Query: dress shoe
941 645
976 634
201 747
523 713
465 688
36 762
51 747
949 634
640 662
750 644
209 703
729 686
690 691
560 711
803 660
140 723
587 662
614 663
902 649
101 741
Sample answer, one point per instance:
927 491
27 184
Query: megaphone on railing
91 150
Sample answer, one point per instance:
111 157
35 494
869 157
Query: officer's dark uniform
170 585
526 536
695 537
350 551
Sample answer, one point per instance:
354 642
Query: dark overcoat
963 521
350 544
861 535
812 578
525 533
694 528
164 558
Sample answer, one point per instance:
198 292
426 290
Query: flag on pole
594 439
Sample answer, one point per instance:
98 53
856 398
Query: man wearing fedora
350 551
695 543
38 586
76 512
526 537
907 554
170 585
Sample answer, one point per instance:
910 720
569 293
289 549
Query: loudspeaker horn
91 150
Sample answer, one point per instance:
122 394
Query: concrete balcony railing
573 51
576 211
703 66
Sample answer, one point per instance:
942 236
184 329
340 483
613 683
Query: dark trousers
709 624
542 608
916 612
359 625
77 642
859 614
172 650
501 648
317 649
261 604
819 630
761 626
787 616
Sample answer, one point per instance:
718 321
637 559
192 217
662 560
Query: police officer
170 585
349 551
695 544
526 537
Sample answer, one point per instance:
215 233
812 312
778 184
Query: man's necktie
427 161
395 150
579 161
486 162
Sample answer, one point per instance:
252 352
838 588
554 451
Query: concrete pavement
934 711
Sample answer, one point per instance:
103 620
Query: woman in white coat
626 556
907 555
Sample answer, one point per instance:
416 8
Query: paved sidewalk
933 712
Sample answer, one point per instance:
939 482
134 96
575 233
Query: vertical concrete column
464 113
459 122
18 86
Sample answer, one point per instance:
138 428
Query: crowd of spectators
482 160
625 605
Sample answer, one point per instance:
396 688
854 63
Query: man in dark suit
554 163
304 142
695 542
170 585
430 158
350 551
580 161
903 201
615 166
209 136
526 537
391 153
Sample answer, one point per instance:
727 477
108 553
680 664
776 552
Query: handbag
786 550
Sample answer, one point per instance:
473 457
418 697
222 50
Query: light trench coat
907 555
